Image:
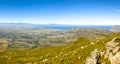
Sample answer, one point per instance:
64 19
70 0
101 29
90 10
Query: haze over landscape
59 31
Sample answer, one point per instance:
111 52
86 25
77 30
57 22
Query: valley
27 38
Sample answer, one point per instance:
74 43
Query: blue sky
85 12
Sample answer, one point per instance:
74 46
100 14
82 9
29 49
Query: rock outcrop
112 53
93 58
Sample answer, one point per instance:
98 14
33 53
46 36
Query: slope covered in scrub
75 53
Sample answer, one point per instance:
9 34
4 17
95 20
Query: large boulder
113 51
93 58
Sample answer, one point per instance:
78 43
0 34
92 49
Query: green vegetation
75 53
3 44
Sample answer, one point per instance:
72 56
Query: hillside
75 53
3 44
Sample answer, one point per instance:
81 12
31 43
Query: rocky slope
111 54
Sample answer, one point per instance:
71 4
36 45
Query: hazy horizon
62 24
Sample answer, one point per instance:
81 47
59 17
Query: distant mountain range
52 26
115 28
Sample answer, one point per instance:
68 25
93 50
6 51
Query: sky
78 12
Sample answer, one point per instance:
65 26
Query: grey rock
112 52
93 58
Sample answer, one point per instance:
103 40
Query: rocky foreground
111 54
